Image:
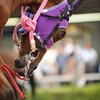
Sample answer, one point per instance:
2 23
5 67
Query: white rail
65 78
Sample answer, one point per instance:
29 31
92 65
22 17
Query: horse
44 37
9 6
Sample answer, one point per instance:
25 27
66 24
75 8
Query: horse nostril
20 63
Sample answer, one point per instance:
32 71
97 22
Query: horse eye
62 34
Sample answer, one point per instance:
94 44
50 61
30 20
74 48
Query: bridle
35 51
63 15
60 17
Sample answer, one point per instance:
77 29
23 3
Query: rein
5 68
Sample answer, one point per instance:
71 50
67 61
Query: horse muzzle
24 63
21 63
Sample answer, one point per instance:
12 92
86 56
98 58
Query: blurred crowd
69 59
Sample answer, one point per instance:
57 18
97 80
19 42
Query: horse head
50 28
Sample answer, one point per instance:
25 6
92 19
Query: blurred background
70 69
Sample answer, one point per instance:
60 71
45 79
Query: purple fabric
45 26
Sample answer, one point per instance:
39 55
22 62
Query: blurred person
47 65
49 62
86 62
90 57
71 51
69 47
61 59
74 68
70 67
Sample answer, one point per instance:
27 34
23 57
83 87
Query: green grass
68 92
